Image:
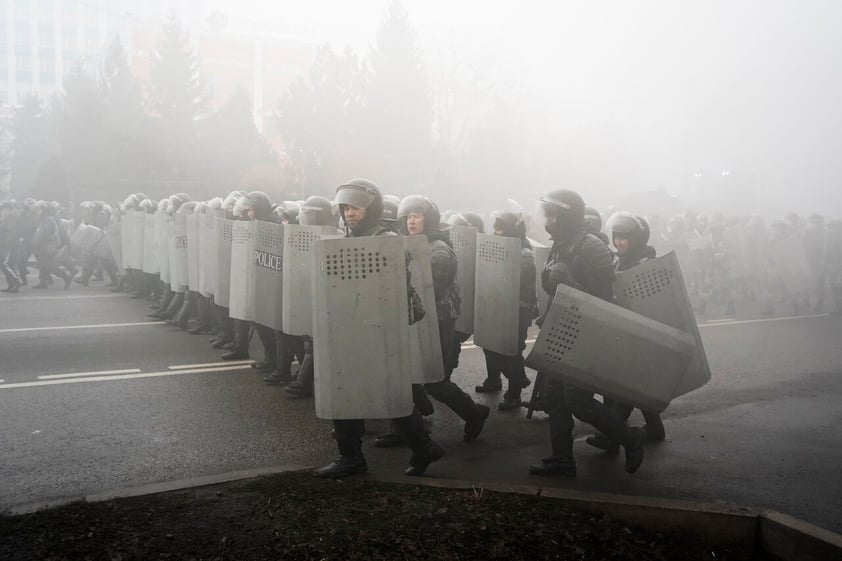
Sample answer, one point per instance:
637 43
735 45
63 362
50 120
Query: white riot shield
425 344
738 246
361 331
268 264
133 224
299 264
542 253
222 230
599 346
123 224
241 297
205 253
114 235
464 240
789 262
497 294
178 253
192 227
162 230
151 264
656 289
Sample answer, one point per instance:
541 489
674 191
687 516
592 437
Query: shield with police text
542 253
425 344
361 332
162 230
268 266
464 240
222 229
299 263
241 297
790 265
602 347
178 254
656 289
192 221
497 294
151 264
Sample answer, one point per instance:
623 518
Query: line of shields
351 295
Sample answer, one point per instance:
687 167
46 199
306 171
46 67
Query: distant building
41 41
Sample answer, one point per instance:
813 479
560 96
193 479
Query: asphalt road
95 397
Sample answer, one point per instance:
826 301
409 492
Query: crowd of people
726 262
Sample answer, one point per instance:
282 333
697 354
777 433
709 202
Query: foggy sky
635 95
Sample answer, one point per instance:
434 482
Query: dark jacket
8 234
444 266
528 290
46 238
581 261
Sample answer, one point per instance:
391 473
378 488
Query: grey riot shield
222 229
192 223
241 297
162 230
361 331
599 346
84 239
425 344
205 252
299 263
114 235
133 224
464 240
497 294
150 245
790 265
268 263
178 253
542 253
656 290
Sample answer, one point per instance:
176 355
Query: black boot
422 459
633 443
343 466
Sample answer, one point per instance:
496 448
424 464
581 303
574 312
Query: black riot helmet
187 208
176 201
633 228
316 211
564 211
594 218
146 205
390 207
287 212
419 204
361 193
467 218
510 225
258 202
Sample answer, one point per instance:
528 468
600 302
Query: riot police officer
630 236
418 215
583 261
361 208
316 211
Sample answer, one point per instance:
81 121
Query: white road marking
119 377
83 374
94 326
719 320
210 364
764 320
77 297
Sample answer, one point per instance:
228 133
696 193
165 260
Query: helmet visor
355 195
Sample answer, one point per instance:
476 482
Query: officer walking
361 206
583 261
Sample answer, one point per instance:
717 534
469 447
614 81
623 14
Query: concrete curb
779 535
